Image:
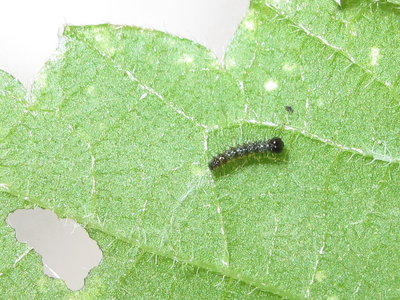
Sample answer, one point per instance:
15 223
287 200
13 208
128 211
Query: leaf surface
119 128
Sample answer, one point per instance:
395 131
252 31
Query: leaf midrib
171 105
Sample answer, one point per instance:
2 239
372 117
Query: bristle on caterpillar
274 145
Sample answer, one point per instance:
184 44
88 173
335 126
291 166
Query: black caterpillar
274 145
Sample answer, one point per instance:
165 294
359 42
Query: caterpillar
274 145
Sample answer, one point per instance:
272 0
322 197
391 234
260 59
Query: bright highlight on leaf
270 85
375 54
120 132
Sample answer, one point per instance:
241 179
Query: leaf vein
335 48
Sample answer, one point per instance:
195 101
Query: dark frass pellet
274 145
289 109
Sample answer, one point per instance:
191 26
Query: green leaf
118 131
12 102
125 272
397 2
357 30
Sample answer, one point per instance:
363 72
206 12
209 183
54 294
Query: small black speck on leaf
289 109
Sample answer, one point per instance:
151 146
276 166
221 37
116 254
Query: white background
29 28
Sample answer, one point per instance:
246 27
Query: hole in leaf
67 251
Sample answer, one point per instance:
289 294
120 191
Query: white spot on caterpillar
375 55
270 85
